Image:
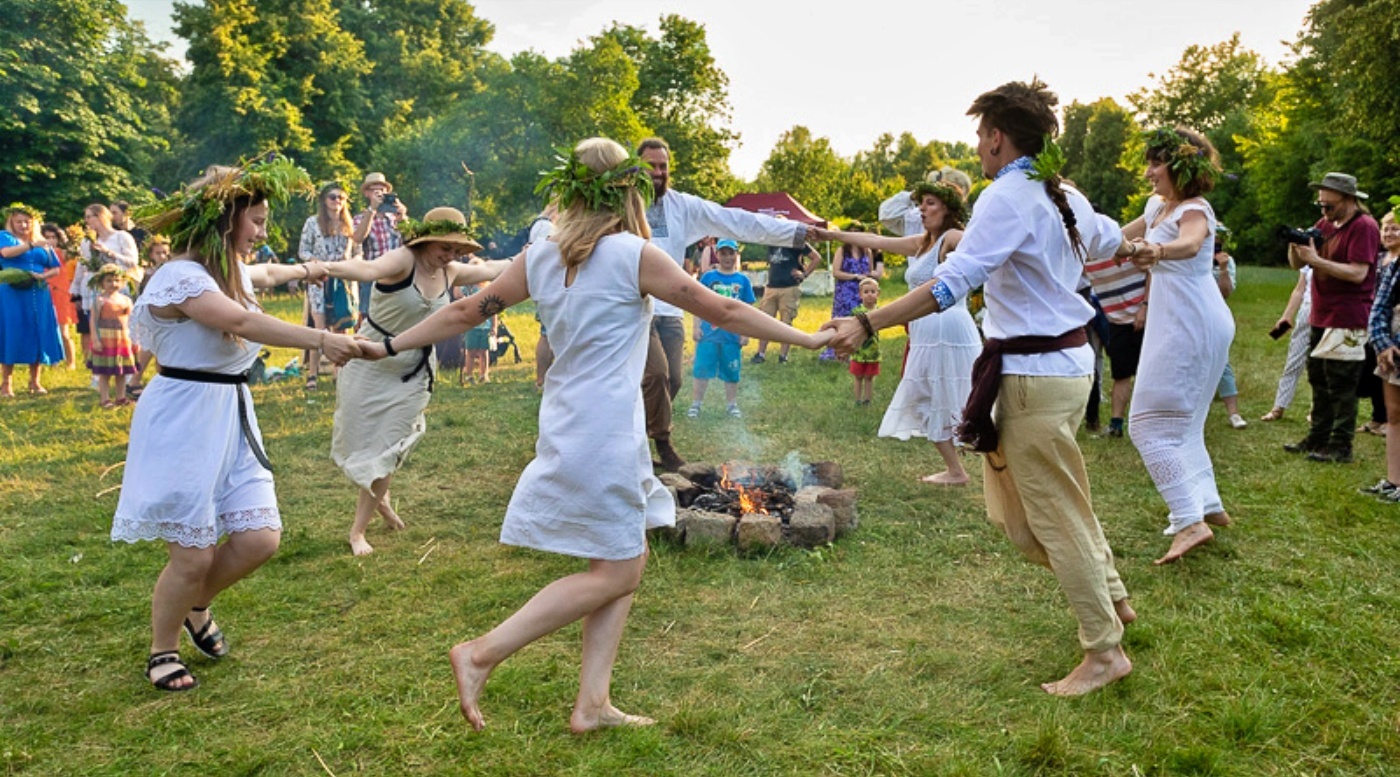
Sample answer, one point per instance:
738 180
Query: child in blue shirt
717 352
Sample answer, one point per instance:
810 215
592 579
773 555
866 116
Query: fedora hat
1340 183
375 178
436 226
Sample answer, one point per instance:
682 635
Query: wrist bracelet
865 323
307 267
389 346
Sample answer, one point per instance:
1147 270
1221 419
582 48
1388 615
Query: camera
389 204
1300 237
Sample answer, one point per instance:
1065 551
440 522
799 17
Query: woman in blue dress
28 323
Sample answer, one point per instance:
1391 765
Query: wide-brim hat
437 223
1340 183
375 178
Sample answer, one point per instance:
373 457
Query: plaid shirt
1383 309
383 233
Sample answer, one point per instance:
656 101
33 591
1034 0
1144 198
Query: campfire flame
750 499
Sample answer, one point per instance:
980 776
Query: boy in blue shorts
717 352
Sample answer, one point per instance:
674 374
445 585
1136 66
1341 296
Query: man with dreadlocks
1027 241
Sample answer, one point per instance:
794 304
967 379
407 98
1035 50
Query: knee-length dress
1185 346
846 296
115 355
379 405
590 491
191 476
28 324
938 373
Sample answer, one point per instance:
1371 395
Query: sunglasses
1326 205
335 196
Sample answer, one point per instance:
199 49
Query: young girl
479 342
590 492
112 354
865 362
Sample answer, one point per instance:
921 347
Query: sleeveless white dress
379 414
190 476
938 374
1185 346
590 491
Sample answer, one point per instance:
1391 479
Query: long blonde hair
34 226
579 227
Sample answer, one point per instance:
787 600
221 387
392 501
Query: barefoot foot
584 721
1126 613
946 478
359 547
471 679
1185 541
1221 518
391 518
1094 672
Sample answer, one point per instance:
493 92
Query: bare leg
367 503
104 389
120 380
392 521
555 606
177 590
35 371
602 633
1185 541
6 390
70 359
953 473
1094 672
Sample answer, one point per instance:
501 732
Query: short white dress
938 374
379 405
590 491
1185 346
190 475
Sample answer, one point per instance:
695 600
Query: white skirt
937 377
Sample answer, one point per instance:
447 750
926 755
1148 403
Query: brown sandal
1272 415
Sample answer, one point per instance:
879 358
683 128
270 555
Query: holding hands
844 335
341 348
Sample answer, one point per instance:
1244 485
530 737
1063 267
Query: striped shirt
1121 288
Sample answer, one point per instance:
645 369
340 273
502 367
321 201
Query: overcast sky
851 71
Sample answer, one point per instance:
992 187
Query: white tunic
190 476
590 491
1184 349
938 373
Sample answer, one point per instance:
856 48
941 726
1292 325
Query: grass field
915 646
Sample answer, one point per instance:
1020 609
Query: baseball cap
727 243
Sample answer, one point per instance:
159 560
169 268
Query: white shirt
678 219
540 231
1016 244
123 247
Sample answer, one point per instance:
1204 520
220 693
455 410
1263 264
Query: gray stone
757 531
681 488
699 473
811 524
705 528
824 473
843 504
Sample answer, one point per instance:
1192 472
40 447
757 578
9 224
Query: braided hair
1025 113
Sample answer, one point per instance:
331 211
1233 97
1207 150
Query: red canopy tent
775 204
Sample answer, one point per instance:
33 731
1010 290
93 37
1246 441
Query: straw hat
444 225
375 178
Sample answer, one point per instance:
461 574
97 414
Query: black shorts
84 320
1124 346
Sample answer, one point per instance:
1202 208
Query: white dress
1185 346
590 491
379 414
938 374
190 475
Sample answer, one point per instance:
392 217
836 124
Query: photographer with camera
1341 249
377 226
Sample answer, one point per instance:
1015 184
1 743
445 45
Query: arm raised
509 289
391 267
463 274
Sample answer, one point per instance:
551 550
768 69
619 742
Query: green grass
913 647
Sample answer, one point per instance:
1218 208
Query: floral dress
847 295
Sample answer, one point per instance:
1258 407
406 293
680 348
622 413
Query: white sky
852 71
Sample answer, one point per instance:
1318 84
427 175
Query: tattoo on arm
491 305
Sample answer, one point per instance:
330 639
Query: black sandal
167 682
208 640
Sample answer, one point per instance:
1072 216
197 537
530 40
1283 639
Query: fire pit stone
843 504
758 531
701 527
812 523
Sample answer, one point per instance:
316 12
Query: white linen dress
190 476
379 414
938 374
590 491
1185 346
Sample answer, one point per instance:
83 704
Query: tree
80 82
1095 139
808 169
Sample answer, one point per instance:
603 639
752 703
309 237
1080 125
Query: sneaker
1115 431
1304 445
782 359
1237 421
757 359
1383 488
733 411
693 412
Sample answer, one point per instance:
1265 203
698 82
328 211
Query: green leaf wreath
1049 162
411 230
572 181
1186 161
33 213
950 195
190 216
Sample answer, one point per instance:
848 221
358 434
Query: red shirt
1335 302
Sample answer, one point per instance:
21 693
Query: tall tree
807 168
1095 138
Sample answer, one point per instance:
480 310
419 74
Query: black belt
424 360
199 376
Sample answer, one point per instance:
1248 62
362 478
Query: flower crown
190 216
109 270
33 213
573 181
411 230
1185 160
950 195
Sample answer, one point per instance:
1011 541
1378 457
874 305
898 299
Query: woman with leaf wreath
195 468
29 331
1186 341
379 405
942 346
590 491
